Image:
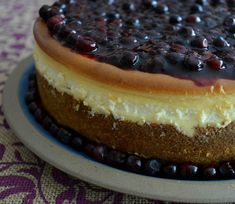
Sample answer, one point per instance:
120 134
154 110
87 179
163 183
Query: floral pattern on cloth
24 178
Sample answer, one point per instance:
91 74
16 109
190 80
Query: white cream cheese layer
185 112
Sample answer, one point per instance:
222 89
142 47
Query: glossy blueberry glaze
191 39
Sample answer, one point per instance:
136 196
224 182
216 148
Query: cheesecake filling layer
185 112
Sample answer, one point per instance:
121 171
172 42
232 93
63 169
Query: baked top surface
185 39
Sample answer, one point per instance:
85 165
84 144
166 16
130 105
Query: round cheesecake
152 78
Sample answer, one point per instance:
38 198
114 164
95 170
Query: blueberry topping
193 63
134 163
129 59
174 57
176 19
202 2
152 167
161 9
129 7
215 63
127 34
86 44
221 42
187 32
197 8
199 42
150 3
44 12
54 21
192 19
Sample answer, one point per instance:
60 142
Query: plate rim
101 174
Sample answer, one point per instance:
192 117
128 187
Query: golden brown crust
209 145
109 74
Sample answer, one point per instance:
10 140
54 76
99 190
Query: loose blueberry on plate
134 163
64 136
152 167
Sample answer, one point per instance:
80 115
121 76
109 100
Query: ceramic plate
77 164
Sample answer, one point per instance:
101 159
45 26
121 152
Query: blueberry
38 115
199 42
72 38
202 2
197 8
116 158
129 59
32 77
47 12
134 163
77 142
30 97
155 65
60 5
188 170
54 129
150 3
54 21
229 21
135 22
174 57
89 149
210 173
227 170
63 32
64 136
44 12
86 44
161 9
176 19
193 63
47 122
33 107
230 3
187 32
113 15
220 42
215 63
152 167
170 171
192 19
128 6
216 2
100 153
32 85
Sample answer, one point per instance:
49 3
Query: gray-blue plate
77 164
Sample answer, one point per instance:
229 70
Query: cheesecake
146 77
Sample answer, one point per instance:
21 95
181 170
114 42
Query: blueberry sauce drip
193 39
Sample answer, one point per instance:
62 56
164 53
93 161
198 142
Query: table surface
24 178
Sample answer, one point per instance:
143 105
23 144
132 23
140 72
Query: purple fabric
24 178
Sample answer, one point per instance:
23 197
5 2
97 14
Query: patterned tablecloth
24 178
